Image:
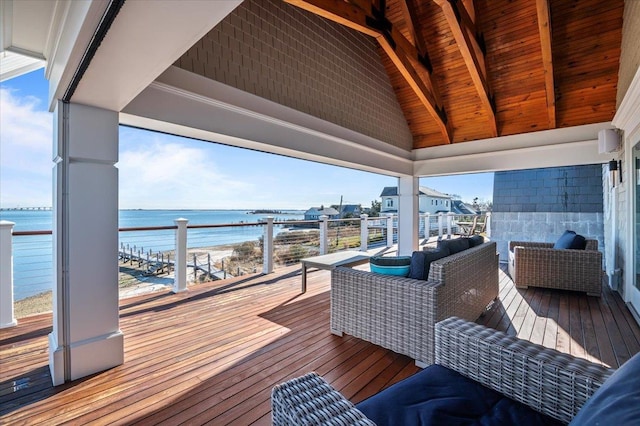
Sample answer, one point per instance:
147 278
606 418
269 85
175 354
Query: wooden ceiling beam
544 26
410 11
471 54
402 53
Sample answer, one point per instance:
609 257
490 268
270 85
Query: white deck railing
177 253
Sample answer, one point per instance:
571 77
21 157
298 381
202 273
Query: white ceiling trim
220 113
549 148
558 155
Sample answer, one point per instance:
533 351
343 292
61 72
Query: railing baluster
364 232
324 234
267 264
180 267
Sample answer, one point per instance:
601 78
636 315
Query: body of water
33 255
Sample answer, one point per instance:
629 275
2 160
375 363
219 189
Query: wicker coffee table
332 261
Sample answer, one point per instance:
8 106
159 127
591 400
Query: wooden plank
618 343
544 26
474 61
540 321
563 339
550 339
605 347
591 347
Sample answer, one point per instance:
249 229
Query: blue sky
163 171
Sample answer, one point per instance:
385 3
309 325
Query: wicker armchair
550 382
400 313
540 265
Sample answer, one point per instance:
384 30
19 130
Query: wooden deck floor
213 354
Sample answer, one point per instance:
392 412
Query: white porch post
389 230
267 249
364 232
324 234
7 318
487 227
407 215
440 226
86 337
449 222
427 226
180 261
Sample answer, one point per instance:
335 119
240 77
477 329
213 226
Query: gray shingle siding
559 190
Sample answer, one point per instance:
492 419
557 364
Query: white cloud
156 172
25 151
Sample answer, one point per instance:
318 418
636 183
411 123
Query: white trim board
183 103
549 148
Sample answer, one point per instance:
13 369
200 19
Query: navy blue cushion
421 262
439 396
617 402
476 240
571 240
398 266
455 246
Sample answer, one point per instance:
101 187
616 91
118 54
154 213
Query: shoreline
131 282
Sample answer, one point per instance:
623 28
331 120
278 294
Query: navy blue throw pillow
617 402
476 240
421 262
454 246
570 240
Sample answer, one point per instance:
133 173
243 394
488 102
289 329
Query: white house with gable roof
430 200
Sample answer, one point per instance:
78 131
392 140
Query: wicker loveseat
540 265
537 380
400 313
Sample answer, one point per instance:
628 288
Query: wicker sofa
540 265
548 382
400 313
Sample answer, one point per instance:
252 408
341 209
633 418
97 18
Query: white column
407 215
180 261
267 263
7 318
427 226
440 226
86 336
449 221
364 232
324 234
487 228
390 230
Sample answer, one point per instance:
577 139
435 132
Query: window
389 202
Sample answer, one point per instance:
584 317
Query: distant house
429 200
314 213
458 207
350 210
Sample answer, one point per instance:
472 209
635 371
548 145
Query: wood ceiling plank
473 58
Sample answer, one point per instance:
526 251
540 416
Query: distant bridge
17 209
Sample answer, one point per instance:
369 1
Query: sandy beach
131 280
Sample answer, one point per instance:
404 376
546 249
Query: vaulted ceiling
465 70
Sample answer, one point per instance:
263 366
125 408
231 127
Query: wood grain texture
212 355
